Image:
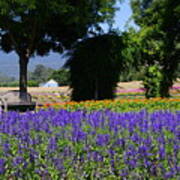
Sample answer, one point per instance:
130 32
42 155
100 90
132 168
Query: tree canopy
62 76
158 39
35 27
40 74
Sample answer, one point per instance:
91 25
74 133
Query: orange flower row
104 103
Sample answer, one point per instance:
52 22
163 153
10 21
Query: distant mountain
9 64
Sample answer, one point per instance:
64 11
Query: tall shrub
95 65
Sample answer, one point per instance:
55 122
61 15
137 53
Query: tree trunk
23 62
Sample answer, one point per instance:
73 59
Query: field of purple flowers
96 145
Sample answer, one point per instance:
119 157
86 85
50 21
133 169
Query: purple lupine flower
132 163
78 135
33 155
52 146
120 142
58 163
18 160
168 175
95 119
135 138
162 152
140 134
143 150
124 173
2 166
177 168
147 163
66 152
102 139
131 151
161 140
37 171
96 156
153 169
111 153
148 141
112 162
6 147
176 148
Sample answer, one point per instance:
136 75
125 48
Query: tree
94 67
142 53
62 76
132 56
36 27
159 21
41 73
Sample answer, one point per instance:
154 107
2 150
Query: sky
121 18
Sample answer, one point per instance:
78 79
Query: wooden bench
10 101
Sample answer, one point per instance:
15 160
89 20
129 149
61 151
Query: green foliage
153 77
9 84
158 37
62 76
131 51
36 27
95 65
31 83
133 56
40 74
132 74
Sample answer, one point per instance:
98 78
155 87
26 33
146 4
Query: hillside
9 63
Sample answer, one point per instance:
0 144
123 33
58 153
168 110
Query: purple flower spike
18 160
52 144
2 166
168 175
102 139
78 135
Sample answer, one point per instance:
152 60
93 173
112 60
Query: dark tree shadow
95 65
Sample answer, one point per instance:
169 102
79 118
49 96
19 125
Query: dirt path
121 85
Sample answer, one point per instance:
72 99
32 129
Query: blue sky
121 18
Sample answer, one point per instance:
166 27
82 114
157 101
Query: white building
50 83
